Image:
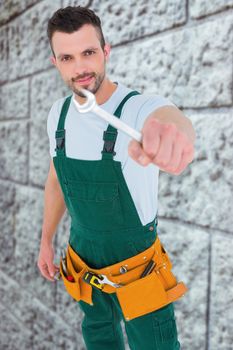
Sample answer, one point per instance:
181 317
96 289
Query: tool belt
137 295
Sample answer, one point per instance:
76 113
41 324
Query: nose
80 68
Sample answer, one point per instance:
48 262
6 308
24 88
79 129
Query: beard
98 79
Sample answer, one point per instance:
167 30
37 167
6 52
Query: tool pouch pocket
142 296
72 287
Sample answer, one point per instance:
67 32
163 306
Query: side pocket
165 329
72 288
141 296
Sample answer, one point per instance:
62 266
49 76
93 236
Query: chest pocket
95 205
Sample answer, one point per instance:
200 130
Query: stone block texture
46 88
4 52
14 150
201 8
178 49
203 192
10 94
192 67
28 44
138 18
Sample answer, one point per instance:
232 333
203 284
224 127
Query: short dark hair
71 19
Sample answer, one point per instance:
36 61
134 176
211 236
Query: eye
89 53
66 58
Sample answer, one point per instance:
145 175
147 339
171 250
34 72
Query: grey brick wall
180 49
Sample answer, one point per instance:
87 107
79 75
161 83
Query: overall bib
106 229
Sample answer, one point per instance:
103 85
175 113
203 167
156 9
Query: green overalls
106 229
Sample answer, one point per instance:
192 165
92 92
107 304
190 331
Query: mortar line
192 23
195 225
12 119
163 218
220 109
214 109
29 129
16 317
187 10
17 182
13 17
90 3
29 75
208 295
232 80
203 17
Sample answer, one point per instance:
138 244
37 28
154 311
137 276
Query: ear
53 60
107 49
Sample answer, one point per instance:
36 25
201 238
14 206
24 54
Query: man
108 182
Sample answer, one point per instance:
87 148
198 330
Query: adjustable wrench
91 106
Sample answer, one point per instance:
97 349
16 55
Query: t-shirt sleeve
52 123
150 105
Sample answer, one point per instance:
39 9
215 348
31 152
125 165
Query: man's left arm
168 139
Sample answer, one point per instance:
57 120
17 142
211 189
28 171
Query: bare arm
54 205
54 208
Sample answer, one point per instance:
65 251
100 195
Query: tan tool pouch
151 292
138 296
145 295
77 289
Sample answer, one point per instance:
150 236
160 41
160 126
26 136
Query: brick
14 100
200 8
48 330
28 205
83 3
14 151
46 89
14 335
221 317
129 20
12 8
191 75
29 49
203 192
7 239
4 52
188 249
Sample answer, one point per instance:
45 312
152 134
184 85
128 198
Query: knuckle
181 137
172 169
150 153
161 161
133 148
171 128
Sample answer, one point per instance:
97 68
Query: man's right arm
54 208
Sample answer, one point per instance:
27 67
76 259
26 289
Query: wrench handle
117 123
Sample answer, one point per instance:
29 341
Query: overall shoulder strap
63 113
60 132
110 134
118 111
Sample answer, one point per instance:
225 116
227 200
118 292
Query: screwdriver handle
148 268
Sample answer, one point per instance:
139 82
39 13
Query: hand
45 261
164 145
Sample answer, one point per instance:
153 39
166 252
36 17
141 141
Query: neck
103 94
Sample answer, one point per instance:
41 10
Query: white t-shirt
84 140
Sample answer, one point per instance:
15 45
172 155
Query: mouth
84 81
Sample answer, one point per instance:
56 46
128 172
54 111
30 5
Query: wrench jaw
90 103
104 279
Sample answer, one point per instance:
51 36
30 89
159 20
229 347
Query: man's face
80 59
